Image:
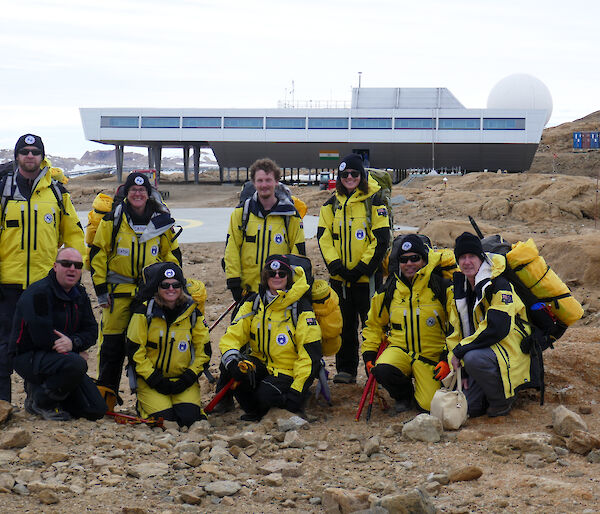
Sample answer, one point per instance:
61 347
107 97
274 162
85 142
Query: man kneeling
52 329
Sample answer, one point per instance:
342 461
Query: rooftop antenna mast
293 92
358 90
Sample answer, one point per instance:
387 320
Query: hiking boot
225 405
343 377
500 410
29 405
250 416
52 414
401 406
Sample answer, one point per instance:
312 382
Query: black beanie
468 243
353 162
276 261
138 179
154 274
30 140
413 243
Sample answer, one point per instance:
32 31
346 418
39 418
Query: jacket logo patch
430 321
311 321
183 346
382 211
507 298
301 225
360 234
205 323
154 251
48 218
122 251
281 339
278 238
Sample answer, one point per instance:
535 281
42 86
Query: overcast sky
57 56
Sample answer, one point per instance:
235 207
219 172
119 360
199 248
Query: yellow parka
294 350
170 350
346 237
416 317
252 237
117 267
494 321
32 231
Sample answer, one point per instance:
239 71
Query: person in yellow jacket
353 237
37 218
263 225
286 355
169 345
413 305
486 337
136 233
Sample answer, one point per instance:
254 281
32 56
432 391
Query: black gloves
187 378
237 293
234 370
335 267
369 360
293 401
358 271
159 383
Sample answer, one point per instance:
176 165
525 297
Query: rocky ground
540 458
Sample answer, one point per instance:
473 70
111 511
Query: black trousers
269 391
60 379
354 304
8 303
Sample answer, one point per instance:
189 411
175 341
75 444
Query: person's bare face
67 274
410 267
265 184
28 162
469 265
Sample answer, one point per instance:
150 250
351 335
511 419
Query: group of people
271 352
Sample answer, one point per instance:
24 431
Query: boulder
291 423
416 501
566 421
534 442
582 442
222 488
465 474
14 438
6 410
336 500
424 428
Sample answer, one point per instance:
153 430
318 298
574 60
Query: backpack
319 298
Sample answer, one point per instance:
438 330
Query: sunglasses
277 273
67 264
26 151
409 258
353 173
167 285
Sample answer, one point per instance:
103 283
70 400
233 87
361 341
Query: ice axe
229 309
245 366
476 227
124 419
370 383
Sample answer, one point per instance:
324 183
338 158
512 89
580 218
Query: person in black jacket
53 327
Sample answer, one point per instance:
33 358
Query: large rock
291 423
244 439
287 469
565 421
424 428
582 442
415 501
371 446
336 500
465 474
148 469
222 488
534 442
5 411
293 440
14 438
48 497
7 482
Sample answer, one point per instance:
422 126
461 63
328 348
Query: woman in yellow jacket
169 346
353 234
284 341
137 233
412 305
486 336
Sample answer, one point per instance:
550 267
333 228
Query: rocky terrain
540 458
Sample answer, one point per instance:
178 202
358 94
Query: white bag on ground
450 406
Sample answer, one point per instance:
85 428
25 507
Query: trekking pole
124 419
476 227
223 315
370 381
371 398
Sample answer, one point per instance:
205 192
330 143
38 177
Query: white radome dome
521 91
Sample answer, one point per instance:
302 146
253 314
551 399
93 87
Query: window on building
414 123
160 121
371 123
459 124
286 123
327 123
200 122
119 121
247 123
504 124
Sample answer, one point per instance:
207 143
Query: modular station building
393 128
